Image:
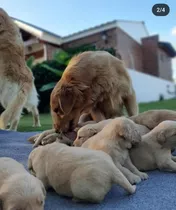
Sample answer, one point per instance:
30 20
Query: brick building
130 39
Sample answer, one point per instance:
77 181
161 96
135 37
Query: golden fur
92 129
73 171
18 188
116 138
13 70
152 118
154 151
94 82
145 121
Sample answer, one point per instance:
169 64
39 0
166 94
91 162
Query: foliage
30 62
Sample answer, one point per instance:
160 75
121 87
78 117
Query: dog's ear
161 138
67 99
129 133
93 131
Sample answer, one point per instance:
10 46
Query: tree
61 58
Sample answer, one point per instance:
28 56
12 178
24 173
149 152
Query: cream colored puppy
154 151
146 121
83 174
152 118
116 138
90 130
18 188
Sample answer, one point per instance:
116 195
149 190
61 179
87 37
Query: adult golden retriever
17 89
93 82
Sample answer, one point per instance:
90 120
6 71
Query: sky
64 17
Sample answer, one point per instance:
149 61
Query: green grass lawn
46 121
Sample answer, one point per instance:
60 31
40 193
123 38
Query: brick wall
150 56
165 65
156 61
130 50
95 39
50 50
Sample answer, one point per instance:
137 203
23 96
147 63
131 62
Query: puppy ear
93 131
161 138
130 133
67 99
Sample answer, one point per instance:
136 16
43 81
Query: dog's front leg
169 166
133 179
97 115
133 169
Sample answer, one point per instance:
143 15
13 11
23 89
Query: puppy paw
133 189
134 179
143 176
36 125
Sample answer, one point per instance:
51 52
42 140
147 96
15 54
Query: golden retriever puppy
13 72
90 130
94 82
83 174
145 121
154 151
18 188
152 118
116 138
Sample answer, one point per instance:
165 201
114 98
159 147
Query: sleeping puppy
152 118
154 151
90 130
94 82
116 138
73 172
18 188
148 120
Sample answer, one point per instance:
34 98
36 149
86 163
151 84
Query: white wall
148 88
136 30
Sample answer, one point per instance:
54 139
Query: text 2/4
160 9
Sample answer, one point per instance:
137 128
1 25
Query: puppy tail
120 179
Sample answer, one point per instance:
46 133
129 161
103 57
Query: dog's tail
120 179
